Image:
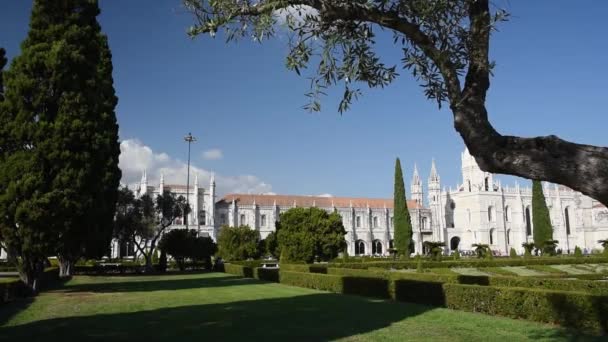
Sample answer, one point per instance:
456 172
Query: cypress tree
401 215
543 231
3 61
61 174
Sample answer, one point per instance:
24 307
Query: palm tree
434 248
481 249
604 244
528 246
549 247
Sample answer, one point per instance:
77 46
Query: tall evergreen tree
543 231
401 216
3 61
60 173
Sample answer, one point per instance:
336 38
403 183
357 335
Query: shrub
577 252
456 254
513 253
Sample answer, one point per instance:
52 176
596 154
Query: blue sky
240 101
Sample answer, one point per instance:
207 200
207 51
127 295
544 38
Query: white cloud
213 154
135 157
325 195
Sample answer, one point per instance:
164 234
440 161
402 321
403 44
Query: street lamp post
189 139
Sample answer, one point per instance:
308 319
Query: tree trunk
66 267
29 273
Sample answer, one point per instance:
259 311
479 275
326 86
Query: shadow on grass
142 284
304 318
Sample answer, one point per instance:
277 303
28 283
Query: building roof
309 201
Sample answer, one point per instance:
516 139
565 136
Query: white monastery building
480 210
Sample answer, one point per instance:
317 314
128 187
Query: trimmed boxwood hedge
472 262
503 296
583 311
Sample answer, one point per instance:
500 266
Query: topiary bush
513 253
578 253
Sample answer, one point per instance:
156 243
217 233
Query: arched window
424 223
202 217
454 242
469 183
359 247
243 220
487 184
507 214
492 237
376 247
375 221
509 237
491 214
567 219
528 222
358 221
391 243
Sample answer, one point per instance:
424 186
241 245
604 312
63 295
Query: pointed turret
434 175
161 186
143 184
416 187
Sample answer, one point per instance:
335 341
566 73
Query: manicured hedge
108 269
268 274
506 296
412 264
325 282
575 309
239 270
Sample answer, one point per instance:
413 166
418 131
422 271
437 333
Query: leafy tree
178 244
308 233
272 245
540 217
203 247
238 243
142 221
445 45
61 127
401 216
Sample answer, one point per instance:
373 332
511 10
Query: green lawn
219 307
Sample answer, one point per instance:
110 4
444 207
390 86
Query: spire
161 188
144 177
434 175
415 177
212 181
196 180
